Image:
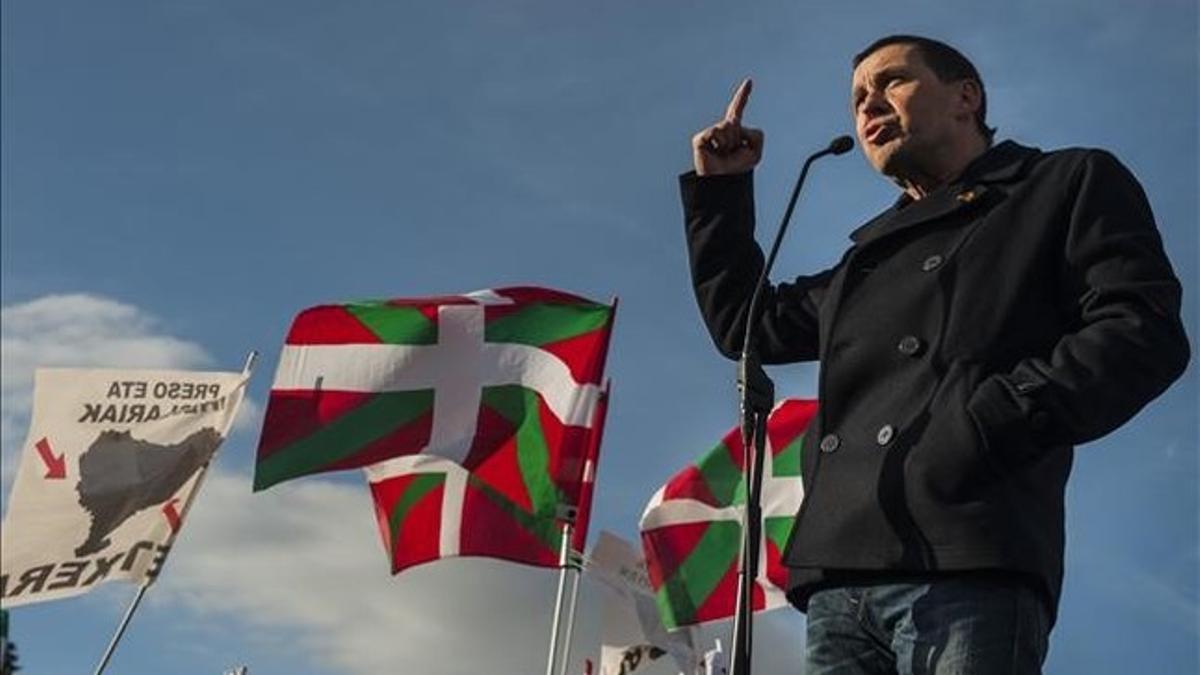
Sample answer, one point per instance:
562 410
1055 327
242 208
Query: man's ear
970 98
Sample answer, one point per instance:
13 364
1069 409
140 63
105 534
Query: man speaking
1011 304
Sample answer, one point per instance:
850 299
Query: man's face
903 114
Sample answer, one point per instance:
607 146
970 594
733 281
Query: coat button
830 443
909 345
931 263
886 432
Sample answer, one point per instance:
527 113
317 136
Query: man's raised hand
727 146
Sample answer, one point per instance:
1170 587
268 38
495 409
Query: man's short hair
945 61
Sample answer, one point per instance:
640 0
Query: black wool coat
967 341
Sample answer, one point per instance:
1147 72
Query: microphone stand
757 397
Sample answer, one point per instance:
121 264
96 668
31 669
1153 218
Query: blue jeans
957 625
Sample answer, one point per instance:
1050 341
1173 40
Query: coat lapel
936 205
1001 164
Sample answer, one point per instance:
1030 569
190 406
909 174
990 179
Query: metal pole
251 359
112 645
757 399
574 605
551 658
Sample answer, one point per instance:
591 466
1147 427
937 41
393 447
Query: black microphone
841 145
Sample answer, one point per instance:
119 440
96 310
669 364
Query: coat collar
1002 163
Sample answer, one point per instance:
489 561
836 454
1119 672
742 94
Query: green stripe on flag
542 527
542 324
723 477
787 462
533 456
381 415
420 486
395 325
684 592
519 405
508 400
778 529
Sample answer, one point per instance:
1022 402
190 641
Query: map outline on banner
111 459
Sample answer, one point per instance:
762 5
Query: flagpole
574 606
112 644
567 526
247 369
582 515
251 359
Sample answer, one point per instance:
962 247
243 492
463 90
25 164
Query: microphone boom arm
757 397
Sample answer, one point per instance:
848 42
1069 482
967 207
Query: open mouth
878 133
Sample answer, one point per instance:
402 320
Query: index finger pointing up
738 104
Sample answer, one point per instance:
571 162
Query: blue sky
180 178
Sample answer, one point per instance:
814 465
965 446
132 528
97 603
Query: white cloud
82 330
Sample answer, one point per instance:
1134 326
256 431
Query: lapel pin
967 196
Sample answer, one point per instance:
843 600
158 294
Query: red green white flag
455 377
691 529
506 507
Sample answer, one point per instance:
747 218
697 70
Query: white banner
106 474
633 640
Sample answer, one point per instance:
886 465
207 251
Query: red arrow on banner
172 515
56 467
